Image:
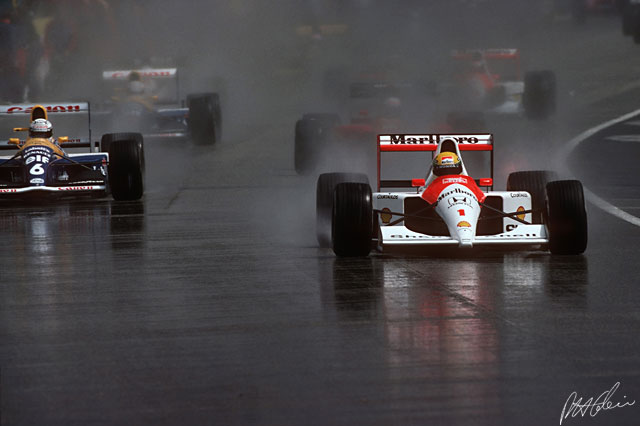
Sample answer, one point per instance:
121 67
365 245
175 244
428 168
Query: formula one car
448 208
373 107
148 100
42 168
491 80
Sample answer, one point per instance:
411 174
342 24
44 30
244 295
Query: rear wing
482 142
70 119
161 83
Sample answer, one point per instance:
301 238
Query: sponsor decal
457 201
463 224
446 160
143 73
387 197
36 181
455 180
430 139
75 188
8 190
511 227
521 209
49 108
519 195
386 215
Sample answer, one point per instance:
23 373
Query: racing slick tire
205 118
539 98
566 217
352 217
126 166
535 183
325 187
310 135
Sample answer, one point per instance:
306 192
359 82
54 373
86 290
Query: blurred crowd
45 45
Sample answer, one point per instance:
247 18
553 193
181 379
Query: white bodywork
513 232
456 199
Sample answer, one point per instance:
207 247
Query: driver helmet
447 163
40 128
136 85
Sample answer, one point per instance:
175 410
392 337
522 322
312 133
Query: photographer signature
574 406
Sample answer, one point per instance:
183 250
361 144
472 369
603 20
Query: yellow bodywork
44 142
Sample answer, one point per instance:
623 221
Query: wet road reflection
448 323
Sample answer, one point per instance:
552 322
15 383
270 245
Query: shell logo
386 215
521 216
464 224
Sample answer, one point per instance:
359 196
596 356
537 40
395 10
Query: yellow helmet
447 163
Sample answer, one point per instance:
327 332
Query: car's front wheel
352 218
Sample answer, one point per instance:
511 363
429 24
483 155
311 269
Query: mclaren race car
148 100
40 167
448 208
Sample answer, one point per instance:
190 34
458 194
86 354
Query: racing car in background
492 81
41 168
372 107
448 207
148 100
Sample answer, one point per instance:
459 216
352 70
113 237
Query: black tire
352 217
566 217
126 166
535 183
539 98
205 118
311 134
324 201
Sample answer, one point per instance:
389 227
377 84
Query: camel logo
456 201
464 224
385 216
521 216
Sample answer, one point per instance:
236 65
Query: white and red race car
535 211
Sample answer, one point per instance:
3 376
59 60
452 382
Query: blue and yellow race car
41 167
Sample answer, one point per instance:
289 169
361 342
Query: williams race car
148 100
448 208
40 166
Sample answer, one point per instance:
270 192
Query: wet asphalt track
208 302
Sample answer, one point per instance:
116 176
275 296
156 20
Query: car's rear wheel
566 217
311 134
324 201
205 118
539 98
535 183
126 166
352 219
